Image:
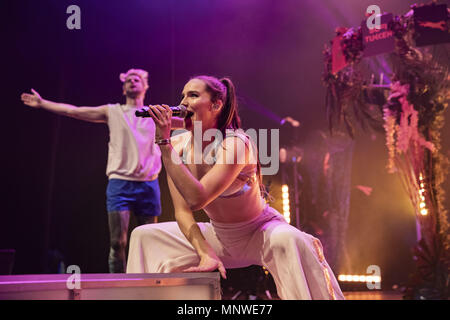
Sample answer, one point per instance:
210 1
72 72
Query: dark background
53 168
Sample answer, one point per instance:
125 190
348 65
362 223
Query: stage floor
349 295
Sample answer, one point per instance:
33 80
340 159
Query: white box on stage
142 286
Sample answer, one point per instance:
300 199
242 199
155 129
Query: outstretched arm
92 114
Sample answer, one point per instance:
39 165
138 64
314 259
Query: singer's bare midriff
229 210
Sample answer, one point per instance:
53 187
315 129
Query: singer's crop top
248 175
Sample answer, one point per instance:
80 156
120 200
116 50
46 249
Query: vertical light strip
286 205
422 205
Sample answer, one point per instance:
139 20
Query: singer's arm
92 114
185 219
188 226
198 193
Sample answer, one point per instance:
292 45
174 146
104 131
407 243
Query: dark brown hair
223 89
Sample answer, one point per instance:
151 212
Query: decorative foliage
413 116
347 92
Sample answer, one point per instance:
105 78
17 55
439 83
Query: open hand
33 100
208 264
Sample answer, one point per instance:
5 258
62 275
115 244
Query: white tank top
132 152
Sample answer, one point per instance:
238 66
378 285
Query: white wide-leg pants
294 258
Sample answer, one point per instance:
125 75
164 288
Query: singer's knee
146 233
286 241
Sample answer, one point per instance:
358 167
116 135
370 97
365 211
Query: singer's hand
33 100
209 263
162 115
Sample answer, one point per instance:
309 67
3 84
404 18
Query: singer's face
197 100
133 86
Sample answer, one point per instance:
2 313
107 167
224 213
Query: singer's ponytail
229 117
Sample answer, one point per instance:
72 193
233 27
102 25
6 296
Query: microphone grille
180 111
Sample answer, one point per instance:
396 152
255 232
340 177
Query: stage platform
173 286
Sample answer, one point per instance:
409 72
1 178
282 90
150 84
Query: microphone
178 111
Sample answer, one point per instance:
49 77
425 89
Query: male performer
134 160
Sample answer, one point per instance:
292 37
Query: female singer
222 177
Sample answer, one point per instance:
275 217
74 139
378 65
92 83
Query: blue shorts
140 197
